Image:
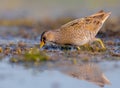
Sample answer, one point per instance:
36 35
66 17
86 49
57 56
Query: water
65 71
16 76
62 72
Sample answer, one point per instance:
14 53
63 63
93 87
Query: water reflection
90 72
87 71
49 75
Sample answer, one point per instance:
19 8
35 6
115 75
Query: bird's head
47 36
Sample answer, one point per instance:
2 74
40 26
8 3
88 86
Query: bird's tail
102 15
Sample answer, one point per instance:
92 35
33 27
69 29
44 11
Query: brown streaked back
93 22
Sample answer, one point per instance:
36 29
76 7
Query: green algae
33 55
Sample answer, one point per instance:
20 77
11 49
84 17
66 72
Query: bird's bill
42 43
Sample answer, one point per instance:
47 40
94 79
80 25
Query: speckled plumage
78 32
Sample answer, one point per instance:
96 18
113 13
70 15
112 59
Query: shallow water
17 76
68 68
62 71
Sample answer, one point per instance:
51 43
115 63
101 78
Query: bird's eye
44 38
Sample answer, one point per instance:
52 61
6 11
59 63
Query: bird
78 32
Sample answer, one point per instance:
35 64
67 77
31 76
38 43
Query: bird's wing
71 23
88 23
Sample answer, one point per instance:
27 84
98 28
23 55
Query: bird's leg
84 46
87 46
101 42
78 47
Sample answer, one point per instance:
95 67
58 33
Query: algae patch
33 55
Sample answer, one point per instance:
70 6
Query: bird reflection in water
87 71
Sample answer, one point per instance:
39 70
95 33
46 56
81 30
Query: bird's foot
101 43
